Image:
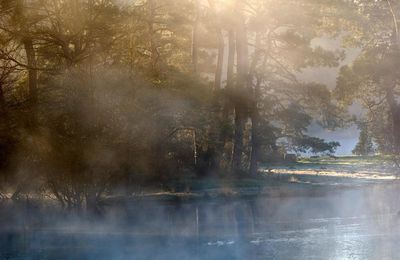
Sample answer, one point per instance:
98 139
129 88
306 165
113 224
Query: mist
193 129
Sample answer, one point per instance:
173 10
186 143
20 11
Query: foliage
365 145
105 96
314 145
372 79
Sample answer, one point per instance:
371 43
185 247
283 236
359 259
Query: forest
103 95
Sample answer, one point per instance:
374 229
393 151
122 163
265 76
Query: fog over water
322 223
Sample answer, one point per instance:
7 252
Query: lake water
345 223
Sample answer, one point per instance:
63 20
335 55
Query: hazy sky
347 137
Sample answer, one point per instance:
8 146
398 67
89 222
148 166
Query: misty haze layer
199 129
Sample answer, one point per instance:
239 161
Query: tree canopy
97 95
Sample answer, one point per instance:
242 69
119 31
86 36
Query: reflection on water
358 223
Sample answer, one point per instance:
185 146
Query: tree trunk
155 56
195 38
227 109
255 134
221 49
241 92
32 81
395 118
27 42
238 146
220 60
231 58
32 71
217 132
255 115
